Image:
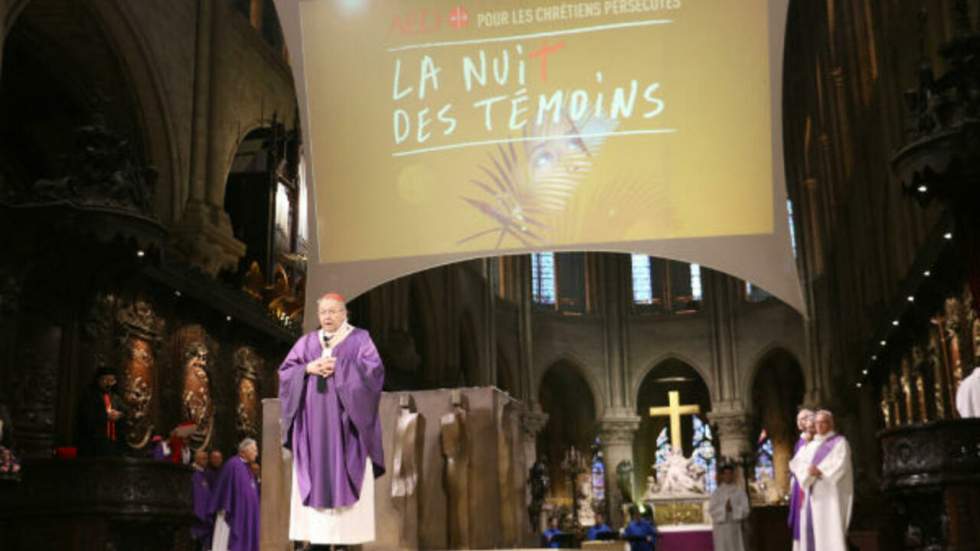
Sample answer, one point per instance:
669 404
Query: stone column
532 423
490 319
529 390
204 235
720 301
616 431
613 273
732 432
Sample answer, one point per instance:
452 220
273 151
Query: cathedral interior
153 214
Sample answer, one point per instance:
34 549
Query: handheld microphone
321 382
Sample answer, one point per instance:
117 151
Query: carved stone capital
618 427
205 239
733 432
533 422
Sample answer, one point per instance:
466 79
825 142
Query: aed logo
426 21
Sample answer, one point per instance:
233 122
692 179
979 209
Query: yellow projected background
493 126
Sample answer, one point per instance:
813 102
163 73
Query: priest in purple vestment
201 494
215 461
234 503
804 423
330 388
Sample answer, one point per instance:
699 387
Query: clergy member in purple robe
330 388
215 461
201 494
804 423
234 503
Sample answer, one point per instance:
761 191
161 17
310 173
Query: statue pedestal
686 510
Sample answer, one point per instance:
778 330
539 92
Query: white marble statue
586 516
678 475
653 489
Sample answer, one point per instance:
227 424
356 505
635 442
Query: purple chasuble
795 496
236 493
211 475
822 452
201 492
331 428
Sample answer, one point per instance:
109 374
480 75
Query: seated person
550 538
600 530
641 533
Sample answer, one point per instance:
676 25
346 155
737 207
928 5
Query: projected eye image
520 189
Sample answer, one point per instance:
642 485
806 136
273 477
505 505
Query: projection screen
438 131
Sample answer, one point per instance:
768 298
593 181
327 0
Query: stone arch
777 389
595 387
670 373
159 143
154 124
639 377
748 376
247 199
570 403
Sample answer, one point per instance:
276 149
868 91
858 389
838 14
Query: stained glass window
763 458
642 280
704 452
792 226
665 285
663 446
696 281
598 472
543 277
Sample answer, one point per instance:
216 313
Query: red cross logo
458 17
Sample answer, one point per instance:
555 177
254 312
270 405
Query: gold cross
674 411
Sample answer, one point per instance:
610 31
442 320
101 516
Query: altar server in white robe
729 507
968 395
824 471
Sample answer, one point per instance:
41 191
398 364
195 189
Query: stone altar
678 495
497 474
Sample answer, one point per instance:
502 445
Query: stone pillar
529 388
732 432
616 431
204 235
613 274
720 301
490 319
532 423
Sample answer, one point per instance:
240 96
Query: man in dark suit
102 417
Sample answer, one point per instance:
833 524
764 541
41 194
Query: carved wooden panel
101 503
195 352
248 365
